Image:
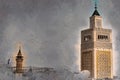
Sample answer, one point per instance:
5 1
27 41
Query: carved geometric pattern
103 61
87 61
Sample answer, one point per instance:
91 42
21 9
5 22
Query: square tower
96 49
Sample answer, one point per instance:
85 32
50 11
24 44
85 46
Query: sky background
49 30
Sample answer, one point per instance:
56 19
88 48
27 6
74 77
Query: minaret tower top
96 11
95 19
19 52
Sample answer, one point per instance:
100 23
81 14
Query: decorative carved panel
103 61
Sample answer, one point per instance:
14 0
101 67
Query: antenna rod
96 4
19 45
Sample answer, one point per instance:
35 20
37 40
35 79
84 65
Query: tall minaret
19 62
96 48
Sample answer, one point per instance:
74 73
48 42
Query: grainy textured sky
49 30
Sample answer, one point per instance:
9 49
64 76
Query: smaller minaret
19 62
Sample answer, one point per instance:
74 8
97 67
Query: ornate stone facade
96 49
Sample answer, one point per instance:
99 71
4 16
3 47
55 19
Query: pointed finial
96 11
19 47
95 5
96 1
19 52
